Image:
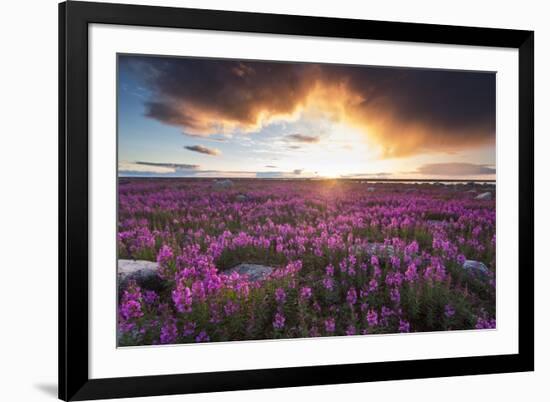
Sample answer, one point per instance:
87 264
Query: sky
197 117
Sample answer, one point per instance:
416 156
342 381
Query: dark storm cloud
308 139
169 114
424 110
406 111
202 150
207 95
455 169
169 165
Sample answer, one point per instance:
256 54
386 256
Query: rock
255 272
223 184
476 268
485 196
241 197
374 248
370 189
143 272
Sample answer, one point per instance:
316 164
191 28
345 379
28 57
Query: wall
28 218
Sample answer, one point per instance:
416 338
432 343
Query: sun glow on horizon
343 150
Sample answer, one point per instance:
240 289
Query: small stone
371 189
241 197
485 196
255 272
223 184
144 273
374 249
476 268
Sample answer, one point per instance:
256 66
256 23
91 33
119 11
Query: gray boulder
371 189
476 268
223 184
374 248
241 197
141 271
485 196
255 272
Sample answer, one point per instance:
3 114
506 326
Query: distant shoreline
370 180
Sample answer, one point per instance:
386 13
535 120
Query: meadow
342 257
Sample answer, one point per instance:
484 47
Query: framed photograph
257 200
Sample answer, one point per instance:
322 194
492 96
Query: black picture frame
74 18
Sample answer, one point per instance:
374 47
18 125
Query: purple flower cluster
280 295
330 325
279 321
182 298
485 323
305 292
130 306
449 311
372 318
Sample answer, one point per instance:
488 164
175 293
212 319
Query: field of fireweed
346 258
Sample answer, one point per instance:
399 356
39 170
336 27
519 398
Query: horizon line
307 178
